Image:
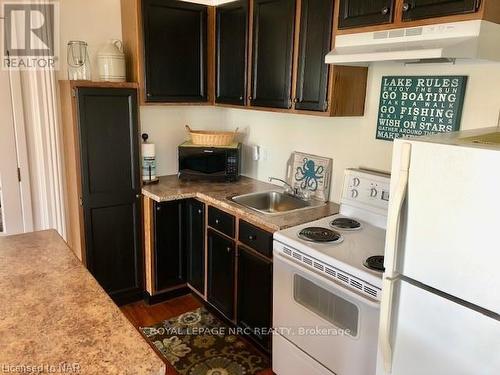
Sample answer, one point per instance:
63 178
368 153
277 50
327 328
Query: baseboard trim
165 296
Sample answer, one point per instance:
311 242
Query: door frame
25 215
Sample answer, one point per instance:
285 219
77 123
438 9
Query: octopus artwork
309 175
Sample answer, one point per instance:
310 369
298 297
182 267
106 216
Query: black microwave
210 163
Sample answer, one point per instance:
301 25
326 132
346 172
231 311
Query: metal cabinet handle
241 97
229 249
250 98
295 100
217 221
385 11
138 196
200 211
252 237
406 7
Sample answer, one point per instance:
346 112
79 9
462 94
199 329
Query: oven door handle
333 284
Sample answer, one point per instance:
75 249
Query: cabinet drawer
256 238
221 221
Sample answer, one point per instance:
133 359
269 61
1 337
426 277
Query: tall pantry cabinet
103 192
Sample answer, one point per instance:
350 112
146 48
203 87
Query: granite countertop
219 193
54 313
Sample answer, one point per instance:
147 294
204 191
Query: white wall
166 128
93 21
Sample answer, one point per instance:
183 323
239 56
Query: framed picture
412 106
310 173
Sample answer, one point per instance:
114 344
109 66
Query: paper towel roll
148 150
148 162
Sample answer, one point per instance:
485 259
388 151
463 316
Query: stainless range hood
471 40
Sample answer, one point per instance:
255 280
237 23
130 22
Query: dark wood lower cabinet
194 235
221 262
169 254
255 282
234 267
110 187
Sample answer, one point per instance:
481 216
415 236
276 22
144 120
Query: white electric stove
327 284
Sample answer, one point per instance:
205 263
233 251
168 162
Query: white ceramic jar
111 62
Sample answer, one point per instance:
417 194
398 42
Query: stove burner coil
318 234
345 223
375 263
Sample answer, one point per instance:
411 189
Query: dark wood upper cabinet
420 9
195 243
175 51
221 265
169 255
358 13
272 46
255 283
231 52
110 188
316 19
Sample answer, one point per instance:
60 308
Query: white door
450 222
436 336
11 213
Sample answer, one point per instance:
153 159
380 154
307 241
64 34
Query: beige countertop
54 313
219 193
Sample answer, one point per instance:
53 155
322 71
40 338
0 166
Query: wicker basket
211 138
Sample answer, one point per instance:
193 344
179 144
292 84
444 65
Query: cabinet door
195 243
107 125
273 24
254 294
315 42
231 44
357 13
221 262
169 257
175 51
419 9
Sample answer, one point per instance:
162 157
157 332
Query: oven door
202 162
335 326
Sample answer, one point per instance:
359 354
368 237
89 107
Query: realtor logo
30 35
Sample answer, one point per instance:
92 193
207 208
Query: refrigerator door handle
385 323
394 215
390 275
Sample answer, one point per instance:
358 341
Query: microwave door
203 162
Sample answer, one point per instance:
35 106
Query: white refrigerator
441 289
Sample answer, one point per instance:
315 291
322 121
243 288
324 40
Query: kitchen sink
274 202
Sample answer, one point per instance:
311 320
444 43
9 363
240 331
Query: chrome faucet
293 191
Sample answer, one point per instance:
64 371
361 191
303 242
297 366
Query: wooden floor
141 314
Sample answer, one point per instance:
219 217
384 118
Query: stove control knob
356 181
354 193
373 193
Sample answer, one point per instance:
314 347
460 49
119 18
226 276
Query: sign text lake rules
420 105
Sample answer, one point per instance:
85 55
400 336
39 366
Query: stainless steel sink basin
274 203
